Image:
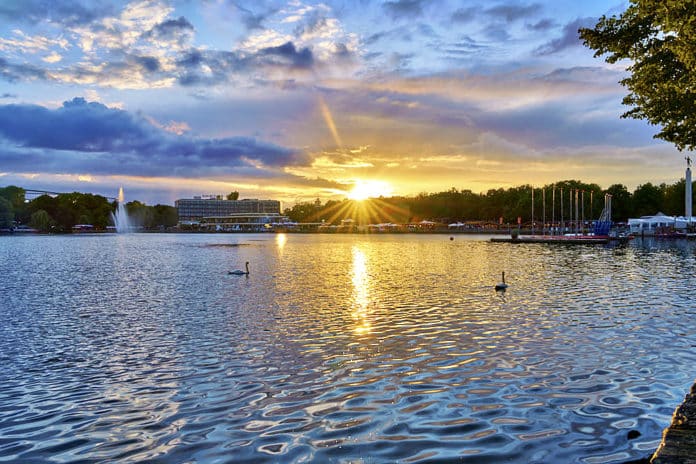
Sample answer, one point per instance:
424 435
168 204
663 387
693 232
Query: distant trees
621 201
232 196
41 221
64 211
647 199
15 196
61 212
463 205
6 213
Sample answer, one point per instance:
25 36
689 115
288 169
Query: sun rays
364 189
363 212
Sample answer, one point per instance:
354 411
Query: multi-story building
193 210
215 213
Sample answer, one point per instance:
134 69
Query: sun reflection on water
361 292
280 240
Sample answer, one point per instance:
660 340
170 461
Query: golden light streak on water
280 240
361 293
121 197
326 113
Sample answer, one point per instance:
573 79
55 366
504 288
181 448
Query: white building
657 224
663 224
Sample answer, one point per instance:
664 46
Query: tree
165 216
16 196
232 196
6 213
40 220
659 38
647 199
621 202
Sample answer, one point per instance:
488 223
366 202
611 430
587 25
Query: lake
340 348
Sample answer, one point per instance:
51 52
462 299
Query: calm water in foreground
339 349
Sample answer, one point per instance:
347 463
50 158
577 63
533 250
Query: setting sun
364 189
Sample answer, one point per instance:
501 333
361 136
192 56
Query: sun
364 189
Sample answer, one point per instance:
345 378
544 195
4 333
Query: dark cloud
404 33
89 137
201 67
67 12
287 54
510 13
465 15
404 8
376 37
251 19
8 95
542 25
193 66
19 72
569 38
497 31
149 63
178 30
465 47
342 51
172 27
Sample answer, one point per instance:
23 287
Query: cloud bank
83 136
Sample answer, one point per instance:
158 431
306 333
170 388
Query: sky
298 100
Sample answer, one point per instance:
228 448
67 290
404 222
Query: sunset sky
298 100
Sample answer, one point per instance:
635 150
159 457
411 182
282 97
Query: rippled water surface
339 348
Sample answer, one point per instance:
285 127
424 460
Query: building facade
193 210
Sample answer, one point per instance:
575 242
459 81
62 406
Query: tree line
62 212
555 200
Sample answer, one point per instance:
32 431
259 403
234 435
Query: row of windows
195 209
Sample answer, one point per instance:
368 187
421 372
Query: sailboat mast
553 207
582 216
532 210
543 210
561 212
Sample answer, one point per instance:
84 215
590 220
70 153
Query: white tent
649 225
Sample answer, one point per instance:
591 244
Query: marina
558 239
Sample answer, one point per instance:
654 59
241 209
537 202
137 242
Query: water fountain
120 218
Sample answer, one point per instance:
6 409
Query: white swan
239 272
502 285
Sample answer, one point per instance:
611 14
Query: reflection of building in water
216 213
361 294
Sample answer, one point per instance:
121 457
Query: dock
678 444
557 239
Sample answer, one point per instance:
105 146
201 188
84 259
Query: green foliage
463 205
647 199
40 220
164 216
659 39
6 213
621 202
16 196
232 196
